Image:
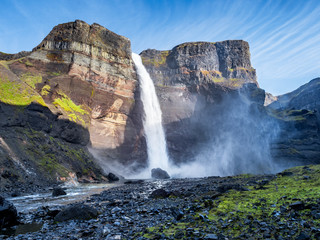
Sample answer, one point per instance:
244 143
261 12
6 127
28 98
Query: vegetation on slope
76 113
19 93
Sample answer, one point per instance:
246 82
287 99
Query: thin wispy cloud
284 35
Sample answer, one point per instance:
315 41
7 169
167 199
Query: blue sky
284 36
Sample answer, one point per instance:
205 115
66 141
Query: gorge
82 108
79 87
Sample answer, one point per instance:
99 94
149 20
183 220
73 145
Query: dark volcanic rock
6 56
58 191
297 205
158 173
76 212
8 213
197 62
159 193
177 213
112 177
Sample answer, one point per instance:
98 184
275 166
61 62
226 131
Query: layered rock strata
82 81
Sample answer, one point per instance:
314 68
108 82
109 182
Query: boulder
8 213
112 177
58 191
76 212
158 173
159 193
297 205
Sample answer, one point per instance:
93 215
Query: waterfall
152 122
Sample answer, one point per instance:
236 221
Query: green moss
55 56
156 61
54 73
6 64
52 156
235 79
230 69
293 151
67 104
290 115
28 64
18 93
31 79
259 203
193 44
45 90
75 112
217 80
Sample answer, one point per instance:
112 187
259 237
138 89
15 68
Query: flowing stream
74 194
152 122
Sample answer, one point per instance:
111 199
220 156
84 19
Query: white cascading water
154 133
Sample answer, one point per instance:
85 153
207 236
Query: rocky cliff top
305 97
225 63
93 35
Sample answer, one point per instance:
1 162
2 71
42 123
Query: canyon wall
78 90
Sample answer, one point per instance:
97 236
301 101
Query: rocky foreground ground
281 206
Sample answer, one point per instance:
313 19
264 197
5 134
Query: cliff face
299 115
208 69
211 101
83 82
99 74
79 88
224 63
209 98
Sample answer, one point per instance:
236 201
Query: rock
286 173
77 212
297 205
53 213
159 193
58 191
112 177
303 236
177 213
8 214
226 187
140 181
211 236
158 173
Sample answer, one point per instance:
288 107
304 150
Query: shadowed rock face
299 114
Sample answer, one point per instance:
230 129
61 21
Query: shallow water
74 194
22 229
